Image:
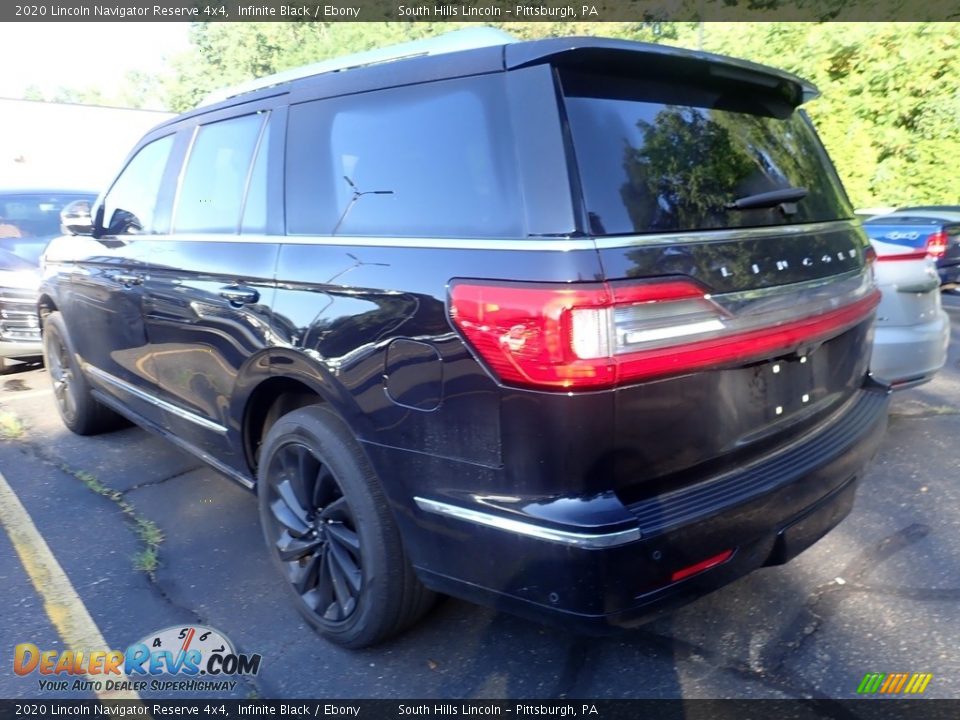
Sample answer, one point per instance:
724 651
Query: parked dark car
935 229
575 327
28 221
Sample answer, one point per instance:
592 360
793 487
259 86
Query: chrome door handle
239 295
128 280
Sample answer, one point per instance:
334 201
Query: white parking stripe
62 604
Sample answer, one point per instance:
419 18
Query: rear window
659 157
432 160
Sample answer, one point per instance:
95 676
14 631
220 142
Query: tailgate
725 190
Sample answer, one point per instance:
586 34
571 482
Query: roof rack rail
465 39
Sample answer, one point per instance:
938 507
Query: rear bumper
907 356
624 574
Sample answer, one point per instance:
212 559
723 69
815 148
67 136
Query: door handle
239 294
128 279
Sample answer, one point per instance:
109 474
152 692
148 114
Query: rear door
767 327
210 282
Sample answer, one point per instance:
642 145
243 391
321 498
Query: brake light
598 335
918 255
937 244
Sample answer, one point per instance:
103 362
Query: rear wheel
78 409
331 534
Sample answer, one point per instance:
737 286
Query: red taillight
599 335
699 567
918 255
937 244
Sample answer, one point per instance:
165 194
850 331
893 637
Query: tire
78 409
330 533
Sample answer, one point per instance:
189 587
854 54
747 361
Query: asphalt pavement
881 593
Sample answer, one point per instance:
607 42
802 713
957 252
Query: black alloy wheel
315 532
331 533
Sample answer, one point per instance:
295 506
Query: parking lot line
63 606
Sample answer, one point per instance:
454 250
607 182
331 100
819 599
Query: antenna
465 39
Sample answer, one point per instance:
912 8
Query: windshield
661 157
29 221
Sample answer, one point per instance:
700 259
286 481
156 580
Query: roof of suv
416 62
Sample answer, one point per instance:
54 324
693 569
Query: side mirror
75 218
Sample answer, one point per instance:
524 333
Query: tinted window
430 160
215 179
129 206
657 158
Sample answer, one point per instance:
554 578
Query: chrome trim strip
163 404
134 417
701 236
586 541
557 244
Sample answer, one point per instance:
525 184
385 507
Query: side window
433 160
215 178
129 206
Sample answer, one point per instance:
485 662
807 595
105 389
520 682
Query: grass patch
148 532
11 427
146 561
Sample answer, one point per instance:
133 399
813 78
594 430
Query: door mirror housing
75 218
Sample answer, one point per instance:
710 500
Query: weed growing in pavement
11 427
146 560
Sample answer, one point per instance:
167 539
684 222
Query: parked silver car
29 219
912 330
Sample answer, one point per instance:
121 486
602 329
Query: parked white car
913 329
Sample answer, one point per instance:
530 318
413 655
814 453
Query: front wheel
78 409
331 534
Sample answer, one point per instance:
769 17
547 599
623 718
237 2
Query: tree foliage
889 113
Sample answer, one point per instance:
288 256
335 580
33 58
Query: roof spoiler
649 58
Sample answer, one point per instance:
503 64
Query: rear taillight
918 255
937 244
598 335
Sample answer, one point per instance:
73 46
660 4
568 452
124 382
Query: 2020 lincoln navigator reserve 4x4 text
577 327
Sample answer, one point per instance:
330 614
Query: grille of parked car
18 315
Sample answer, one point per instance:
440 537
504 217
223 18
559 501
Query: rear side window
433 160
129 207
216 176
660 158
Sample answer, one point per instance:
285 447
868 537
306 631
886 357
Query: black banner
650 11
878 709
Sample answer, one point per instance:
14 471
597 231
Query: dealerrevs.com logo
181 658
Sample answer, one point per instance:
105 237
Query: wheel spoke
325 593
304 476
308 576
289 497
291 548
337 510
285 516
341 535
346 567
312 598
341 585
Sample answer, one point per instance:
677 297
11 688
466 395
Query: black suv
575 327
